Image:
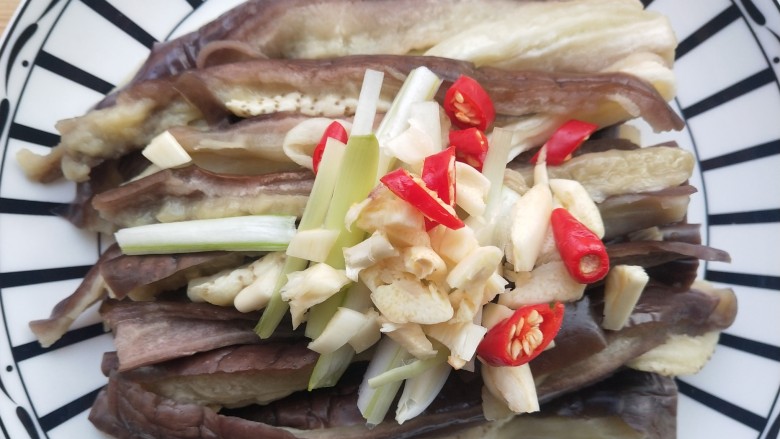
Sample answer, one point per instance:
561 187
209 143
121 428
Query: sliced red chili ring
522 336
565 140
413 191
438 173
471 146
582 251
336 131
468 104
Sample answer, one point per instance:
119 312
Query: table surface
7 8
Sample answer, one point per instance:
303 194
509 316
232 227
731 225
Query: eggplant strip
194 193
152 332
615 172
628 213
658 313
329 88
144 277
254 374
652 253
91 290
255 138
305 29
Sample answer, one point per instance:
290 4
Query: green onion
375 402
495 163
421 85
357 177
313 217
330 367
365 112
410 370
355 181
242 233
420 391
313 244
493 169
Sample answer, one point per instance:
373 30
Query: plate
60 57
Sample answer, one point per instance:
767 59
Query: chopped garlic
547 282
219 288
475 268
493 408
424 263
411 337
300 141
495 285
531 219
407 299
422 138
465 305
223 287
513 385
165 152
368 334
366 253
453 245
411 147
471 189
493 313
576 199
461 339
256 295
623 286
400 221
309 287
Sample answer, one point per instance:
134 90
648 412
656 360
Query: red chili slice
438 173
471 146
565 140
334 130
468 105
582 251
522 336
413 191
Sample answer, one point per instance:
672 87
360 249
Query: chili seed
516 348
527 347
458 97
534 318
519 327
462 117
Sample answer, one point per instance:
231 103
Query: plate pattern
59 57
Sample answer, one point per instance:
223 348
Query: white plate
60 57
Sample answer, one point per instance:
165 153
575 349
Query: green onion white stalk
357 176
313 217
493 169
421 85
355 181
313 245
365 112
375 402
420 391
243 233
409 370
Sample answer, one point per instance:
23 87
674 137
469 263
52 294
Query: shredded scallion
242 233
313 217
